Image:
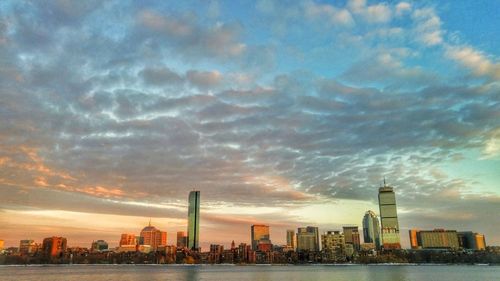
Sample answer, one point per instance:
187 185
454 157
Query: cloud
378 13
427 27
204 79
333 15
402 8
492 147
476 61
190 37
388 66
160 76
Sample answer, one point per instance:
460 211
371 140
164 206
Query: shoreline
245 265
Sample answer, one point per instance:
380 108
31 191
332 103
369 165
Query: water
244 273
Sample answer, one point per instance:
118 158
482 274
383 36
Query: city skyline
283 114
307 238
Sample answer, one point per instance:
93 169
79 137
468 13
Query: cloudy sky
283 113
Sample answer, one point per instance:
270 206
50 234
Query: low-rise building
434 239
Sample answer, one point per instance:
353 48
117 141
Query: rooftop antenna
384 182
149 221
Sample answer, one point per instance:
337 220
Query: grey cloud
190 37
160 76
204 79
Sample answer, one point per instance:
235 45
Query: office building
216 248
333 241
371 229
259 235
414 238
308 239
193 221
181 239
27 247
153 237
128 240
434 239
388 218
54 246
128 243
291 239
2 245
471 240
351 234
99 246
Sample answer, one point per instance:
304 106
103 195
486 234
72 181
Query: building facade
434 239
181 239
153 237
308 239
471 240
333 241
54 246
99 246
193 230
371 229
351 234
413 238
388 218
28 247
259 235
291 239
128 240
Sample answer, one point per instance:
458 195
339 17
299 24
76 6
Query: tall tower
371 228
291 239
259 234
388 217
194 220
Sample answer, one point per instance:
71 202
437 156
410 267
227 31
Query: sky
285 113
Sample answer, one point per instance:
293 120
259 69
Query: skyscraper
307 239
371 228
291 239
259 234
153 237
194 220
388 218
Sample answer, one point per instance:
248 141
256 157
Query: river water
251 272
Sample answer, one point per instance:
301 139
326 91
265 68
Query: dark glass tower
371 229
193 220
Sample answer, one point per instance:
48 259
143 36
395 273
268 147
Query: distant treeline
395 256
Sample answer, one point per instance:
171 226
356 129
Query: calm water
261 273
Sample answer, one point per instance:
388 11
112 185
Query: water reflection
247 273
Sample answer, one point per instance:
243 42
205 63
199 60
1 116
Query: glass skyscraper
194 220
388 218
371 228
291 239
259 234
